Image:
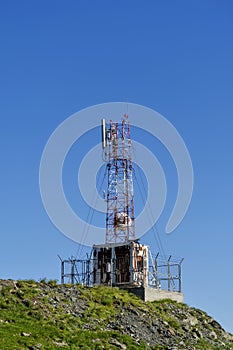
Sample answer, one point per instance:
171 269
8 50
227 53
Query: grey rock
60 344
24 334
35 347
191 320
213 335
197 333
176 327
115 342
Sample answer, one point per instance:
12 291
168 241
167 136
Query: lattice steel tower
116 141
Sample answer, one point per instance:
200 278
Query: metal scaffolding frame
120 225
168 272
81 271
78 271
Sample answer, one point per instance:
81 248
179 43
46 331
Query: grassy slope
36 316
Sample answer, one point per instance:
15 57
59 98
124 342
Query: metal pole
62 271
169 273
88 273
179 274
156 271
180 278
72 271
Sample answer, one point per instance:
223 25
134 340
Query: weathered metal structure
121 264
158 278
116 142
122 260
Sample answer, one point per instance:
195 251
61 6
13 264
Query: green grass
24 309
45 325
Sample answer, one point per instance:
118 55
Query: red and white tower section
117 152
122 260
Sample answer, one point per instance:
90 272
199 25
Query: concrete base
152 294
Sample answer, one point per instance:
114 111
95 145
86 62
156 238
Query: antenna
120 226
103 133
122 260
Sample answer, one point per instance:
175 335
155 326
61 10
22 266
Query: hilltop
44 315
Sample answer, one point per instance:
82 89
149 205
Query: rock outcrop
44 315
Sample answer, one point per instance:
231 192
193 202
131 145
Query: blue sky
175 57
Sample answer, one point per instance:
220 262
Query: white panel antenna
103 133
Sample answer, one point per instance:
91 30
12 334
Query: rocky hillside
45 315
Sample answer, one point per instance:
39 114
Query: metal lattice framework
120 226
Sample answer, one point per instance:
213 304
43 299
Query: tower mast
120 225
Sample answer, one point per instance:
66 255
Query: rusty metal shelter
123 266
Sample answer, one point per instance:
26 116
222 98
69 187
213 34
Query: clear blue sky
176 57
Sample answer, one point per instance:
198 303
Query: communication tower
116 142
122 260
